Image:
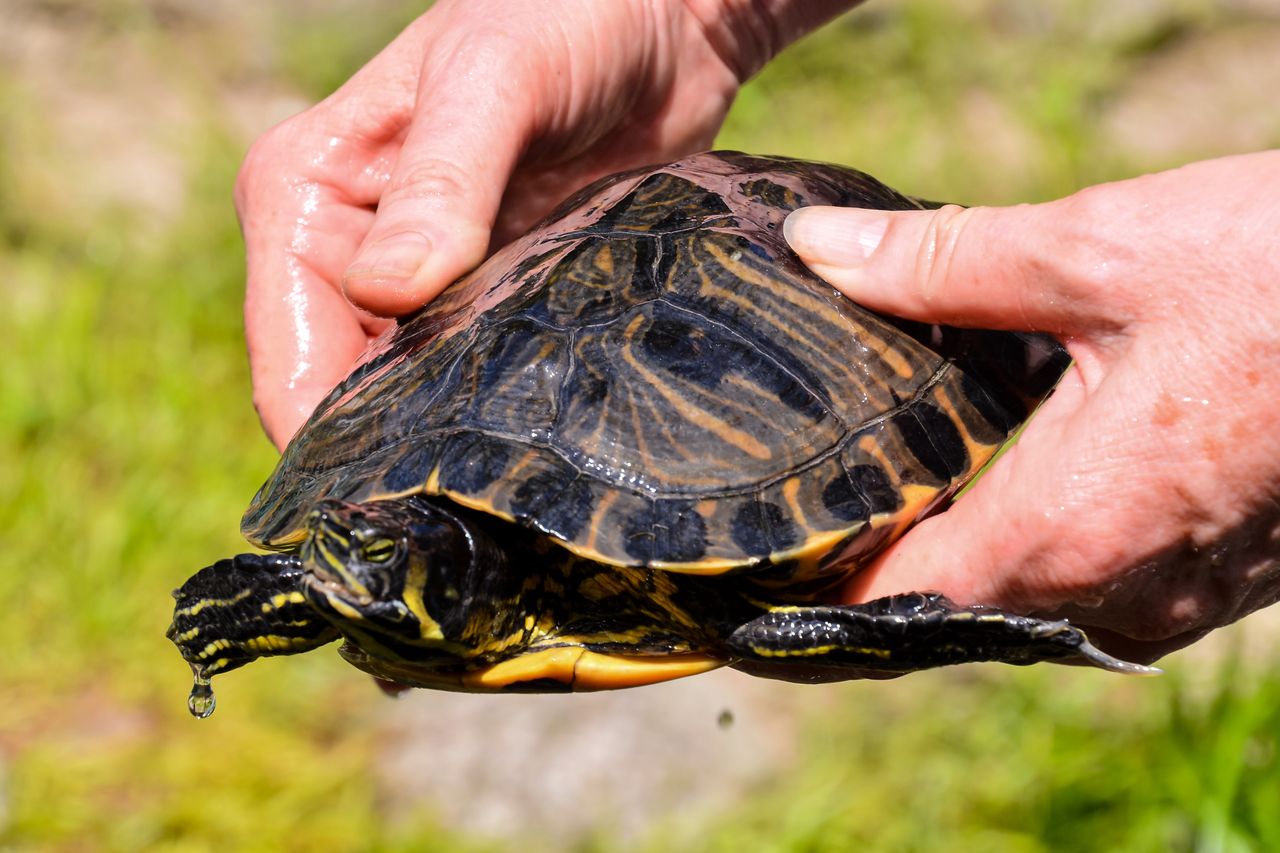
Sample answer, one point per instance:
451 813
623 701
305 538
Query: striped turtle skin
652 378
641 442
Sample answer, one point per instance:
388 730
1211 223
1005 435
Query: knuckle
1082 254
1079 249
1152 618
505 48
1148 625
247 177
263 399
429 180
263 160
937 253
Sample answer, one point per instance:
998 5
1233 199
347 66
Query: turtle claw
1102 660
394 689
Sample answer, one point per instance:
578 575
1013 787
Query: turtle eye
378 550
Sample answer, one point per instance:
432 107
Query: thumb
1014 539
435 217
989 267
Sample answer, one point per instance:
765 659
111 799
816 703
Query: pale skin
1141 502
473 123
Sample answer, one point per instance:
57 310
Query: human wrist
748 33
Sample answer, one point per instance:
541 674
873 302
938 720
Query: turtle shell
652 378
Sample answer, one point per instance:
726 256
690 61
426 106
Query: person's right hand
1143 500
464 131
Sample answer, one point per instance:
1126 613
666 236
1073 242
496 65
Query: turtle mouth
327 581
322 583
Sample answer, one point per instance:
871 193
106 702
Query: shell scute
651 377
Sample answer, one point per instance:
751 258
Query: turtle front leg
238 610
903 633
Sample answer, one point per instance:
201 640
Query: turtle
638 443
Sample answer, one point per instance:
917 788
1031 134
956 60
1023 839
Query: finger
435 217
302 334
1062 516
999 268
303 196
293 372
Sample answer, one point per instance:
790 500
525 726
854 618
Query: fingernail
397 256
835 236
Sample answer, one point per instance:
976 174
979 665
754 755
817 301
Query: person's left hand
457 137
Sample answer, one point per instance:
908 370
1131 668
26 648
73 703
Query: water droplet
201 702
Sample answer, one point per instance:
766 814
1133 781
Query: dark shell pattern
651 377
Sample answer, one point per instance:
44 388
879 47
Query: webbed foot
903 633
238 610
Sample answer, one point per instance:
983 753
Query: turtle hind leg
238 610
903 633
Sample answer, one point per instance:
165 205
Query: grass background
128 446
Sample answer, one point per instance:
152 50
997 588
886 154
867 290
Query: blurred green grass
128 449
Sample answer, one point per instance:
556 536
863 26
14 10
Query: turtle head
375 570
373 573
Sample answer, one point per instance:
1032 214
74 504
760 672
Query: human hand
463 132
1144 497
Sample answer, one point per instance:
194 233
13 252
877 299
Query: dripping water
201 702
